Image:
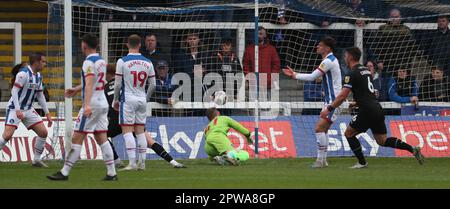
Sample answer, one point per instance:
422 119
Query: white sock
108 157
173 162
2 143
130 144
39 148
326 150
142 147
72 157
322 145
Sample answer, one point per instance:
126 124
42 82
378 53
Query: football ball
220 97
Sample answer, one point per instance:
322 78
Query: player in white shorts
132 73
331 86
28 87
93 116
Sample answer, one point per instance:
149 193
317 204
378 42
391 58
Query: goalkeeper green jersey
221 124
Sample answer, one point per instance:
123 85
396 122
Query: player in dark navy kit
113 116
370 113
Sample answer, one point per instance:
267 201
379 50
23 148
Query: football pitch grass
262 173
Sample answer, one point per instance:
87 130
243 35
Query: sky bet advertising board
294 136
283 137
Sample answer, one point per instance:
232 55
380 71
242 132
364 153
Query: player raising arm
93 115
27 87
370 113
331 85
218 146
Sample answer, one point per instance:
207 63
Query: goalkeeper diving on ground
218 147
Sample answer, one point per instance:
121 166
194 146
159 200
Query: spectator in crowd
357 7
281 12
372 66
151 51
285 12
395 23
190 57
164 87
269 61
312 92
435 87
403 88
224 61
380 83
16 70
437 44
393 43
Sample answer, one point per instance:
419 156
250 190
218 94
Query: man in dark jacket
435 87
226 63
191 59
152 51
437 44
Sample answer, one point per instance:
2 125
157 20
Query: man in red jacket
269 61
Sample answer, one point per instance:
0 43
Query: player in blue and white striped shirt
331 86
27 87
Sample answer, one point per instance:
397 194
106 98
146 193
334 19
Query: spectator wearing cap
403 88
164 88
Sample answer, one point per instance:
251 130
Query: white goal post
17 35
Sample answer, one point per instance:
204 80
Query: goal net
209 46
